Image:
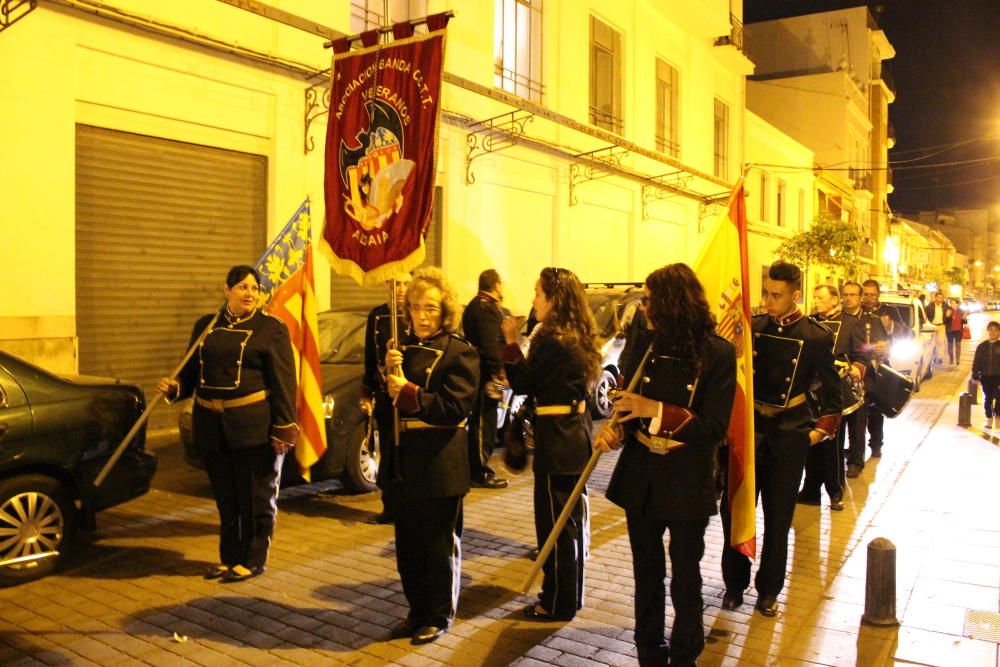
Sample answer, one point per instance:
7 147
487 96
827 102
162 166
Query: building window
780 203
666 109
517 39
802 210
605 76
765 193
368 14
721 166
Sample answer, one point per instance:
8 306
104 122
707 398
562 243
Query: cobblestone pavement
133 594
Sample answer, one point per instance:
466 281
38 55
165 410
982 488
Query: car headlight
904 350
328 405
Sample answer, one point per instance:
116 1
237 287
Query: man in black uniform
825 463
481 325
895 330
876 346
791 354
374 399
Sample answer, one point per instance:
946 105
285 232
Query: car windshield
904 311
604 305
342 337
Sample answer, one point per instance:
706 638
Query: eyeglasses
430 310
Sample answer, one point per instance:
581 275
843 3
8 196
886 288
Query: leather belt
549 410
772 410
417 425
222 404
656 444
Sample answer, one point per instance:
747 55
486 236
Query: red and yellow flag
723 269
288 287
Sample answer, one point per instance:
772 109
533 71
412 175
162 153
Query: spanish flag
288 289
723 268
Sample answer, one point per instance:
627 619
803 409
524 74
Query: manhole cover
983 625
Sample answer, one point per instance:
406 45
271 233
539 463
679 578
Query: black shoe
837 504
853 470
241 573
536 613
767 606
491 482
216 571
382 519
807 499
654 655
732 600
405 629
534 554
427 634
877 453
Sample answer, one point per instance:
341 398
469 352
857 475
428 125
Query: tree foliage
829 242
956 275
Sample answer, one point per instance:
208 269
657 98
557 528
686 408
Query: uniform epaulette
459 337
274 317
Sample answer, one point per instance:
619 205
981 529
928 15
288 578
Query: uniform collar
488 296
833 314
232 319
791 318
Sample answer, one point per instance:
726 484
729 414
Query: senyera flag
380 151
287 291
723 269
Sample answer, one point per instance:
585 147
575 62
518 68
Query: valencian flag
723 269
380 151
287 291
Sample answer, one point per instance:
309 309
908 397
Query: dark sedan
351 455
56 433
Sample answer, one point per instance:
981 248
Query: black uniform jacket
849 344
378 332
872 331
554 375
237 358
790 356
443 378
679 484
986 363
481 326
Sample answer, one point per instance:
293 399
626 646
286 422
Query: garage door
158 224
346 293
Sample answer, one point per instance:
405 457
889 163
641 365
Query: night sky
947 73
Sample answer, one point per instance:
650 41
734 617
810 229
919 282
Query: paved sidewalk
133 594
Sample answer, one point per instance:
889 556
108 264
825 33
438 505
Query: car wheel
36 518
600 400
363 457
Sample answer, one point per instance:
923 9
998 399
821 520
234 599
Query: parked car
614 305
351 455
56 434
913 352
971 305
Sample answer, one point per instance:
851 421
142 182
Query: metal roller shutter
158 224
346 293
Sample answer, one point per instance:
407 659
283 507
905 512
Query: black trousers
954 346
429 556
876 426
852 428
387 451
991 395
825 467
782 443
562 571
482 435
687 546
245 484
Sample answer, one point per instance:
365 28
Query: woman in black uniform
434 393
244 420
664 479
561 365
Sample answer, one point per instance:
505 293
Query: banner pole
394 328
149 408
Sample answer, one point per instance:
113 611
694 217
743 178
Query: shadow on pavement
100 561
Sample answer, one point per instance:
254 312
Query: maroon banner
380 152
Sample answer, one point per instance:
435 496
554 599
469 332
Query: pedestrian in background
939 314
244 420
375 400
664 480
481 326
561 366
432 378
986 371
957 321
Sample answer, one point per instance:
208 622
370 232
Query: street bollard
964 410
880 584
973 390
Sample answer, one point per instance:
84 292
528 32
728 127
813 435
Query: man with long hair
791 354
664 480
561 366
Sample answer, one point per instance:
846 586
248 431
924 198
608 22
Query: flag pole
567 509
394 328
150 407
